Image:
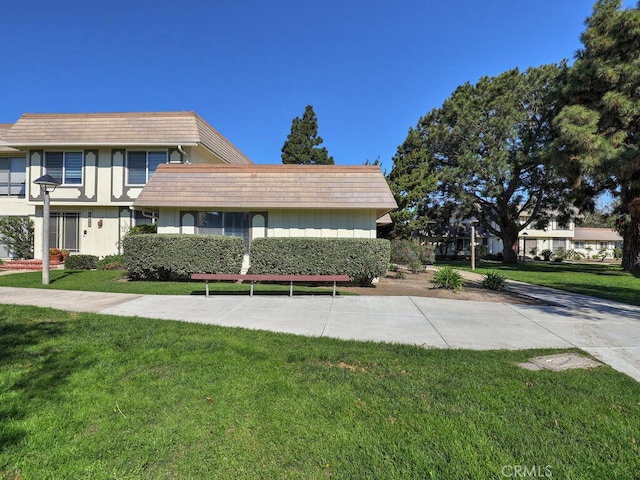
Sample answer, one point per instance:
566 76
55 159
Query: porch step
35 264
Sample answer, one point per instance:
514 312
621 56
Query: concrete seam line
426 317
539 325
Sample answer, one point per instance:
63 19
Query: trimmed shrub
447 277
176 257
494 281
112 262
363 259
143 229
81 262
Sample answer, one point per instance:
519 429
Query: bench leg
251 293
291 289
206 288
334 289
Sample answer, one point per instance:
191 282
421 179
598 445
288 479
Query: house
253 201
118 170
592 241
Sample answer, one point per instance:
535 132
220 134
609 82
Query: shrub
406 252
176 257
415 267
573 255
81 262
447 277
494 281
112 262
17 234
546 254
617 253
363 259
144 229
481 252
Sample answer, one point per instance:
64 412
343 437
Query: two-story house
102 161
203 184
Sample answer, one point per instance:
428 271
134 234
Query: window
557 225
66 167
142 164
64 231
579 245
233 224
12 176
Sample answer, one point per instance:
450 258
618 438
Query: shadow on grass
35 365
64 275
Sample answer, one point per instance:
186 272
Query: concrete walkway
608 330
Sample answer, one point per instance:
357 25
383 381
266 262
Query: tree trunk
510 248
631 238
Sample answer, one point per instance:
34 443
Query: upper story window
66 167
142 164
12 176
557 225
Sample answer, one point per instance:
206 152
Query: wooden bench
268 278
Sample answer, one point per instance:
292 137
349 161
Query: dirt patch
419 285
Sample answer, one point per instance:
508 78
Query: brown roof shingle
4 128
121 129
268 186
596 234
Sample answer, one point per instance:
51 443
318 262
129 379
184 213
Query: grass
96 396
112 281
603 280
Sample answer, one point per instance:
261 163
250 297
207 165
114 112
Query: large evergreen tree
486 153
303 143
600 128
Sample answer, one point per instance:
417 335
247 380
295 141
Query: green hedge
363 259
81 262
176 257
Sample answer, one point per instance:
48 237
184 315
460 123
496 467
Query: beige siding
322 223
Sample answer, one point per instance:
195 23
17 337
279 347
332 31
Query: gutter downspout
180 149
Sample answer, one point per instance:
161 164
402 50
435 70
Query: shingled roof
4 128
121 129
256 187
596 234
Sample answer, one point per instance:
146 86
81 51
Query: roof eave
101 144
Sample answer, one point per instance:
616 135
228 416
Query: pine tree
599 139
303 143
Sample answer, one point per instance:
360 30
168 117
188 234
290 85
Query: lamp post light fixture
524 253
473 222
47 184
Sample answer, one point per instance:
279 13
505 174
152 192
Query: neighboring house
591 241
253 201
105 163
12 182
556 237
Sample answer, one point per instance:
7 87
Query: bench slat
268 278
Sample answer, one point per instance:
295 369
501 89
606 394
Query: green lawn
96 396
112 281
603 280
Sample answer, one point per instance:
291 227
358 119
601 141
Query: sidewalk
608 330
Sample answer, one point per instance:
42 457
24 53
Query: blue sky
370 68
